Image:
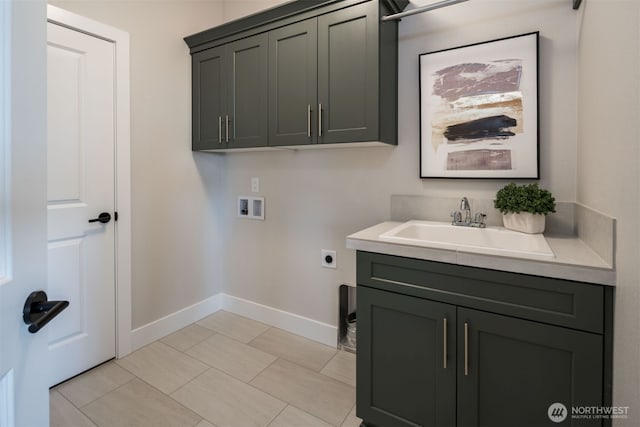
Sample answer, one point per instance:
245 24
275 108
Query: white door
24 394
81 187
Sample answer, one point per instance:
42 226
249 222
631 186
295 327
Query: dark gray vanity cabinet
447 345
402 376
230 95
306 72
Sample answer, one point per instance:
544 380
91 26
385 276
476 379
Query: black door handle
37 311
103 218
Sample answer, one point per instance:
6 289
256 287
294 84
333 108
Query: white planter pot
524 222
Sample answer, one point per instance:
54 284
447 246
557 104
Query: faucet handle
479 218
456 216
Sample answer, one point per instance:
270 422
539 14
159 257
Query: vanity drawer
559 302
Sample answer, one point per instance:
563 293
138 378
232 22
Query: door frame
5 85
120 39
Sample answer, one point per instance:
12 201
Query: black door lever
103 218
38 311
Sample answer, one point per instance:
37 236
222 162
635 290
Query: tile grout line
348 413
162 392
329 361
191 346
290 404
278 414
76 407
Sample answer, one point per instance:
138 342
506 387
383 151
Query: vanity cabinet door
247 97
293 71
348 74
209 98
515 369
406 360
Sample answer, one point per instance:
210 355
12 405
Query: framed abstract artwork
479 110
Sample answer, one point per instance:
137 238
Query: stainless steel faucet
456 216
466 208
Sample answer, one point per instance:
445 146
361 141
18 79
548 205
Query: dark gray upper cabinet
209 102
293 74
348 75
513 344
248 97
230 95
306 72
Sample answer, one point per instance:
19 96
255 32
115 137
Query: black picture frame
479 110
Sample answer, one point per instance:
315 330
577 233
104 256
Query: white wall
608 165
234 9
174 257
316 198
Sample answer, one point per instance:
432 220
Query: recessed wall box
251 207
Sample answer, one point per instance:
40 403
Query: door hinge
115 216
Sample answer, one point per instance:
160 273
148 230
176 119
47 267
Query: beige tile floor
223 371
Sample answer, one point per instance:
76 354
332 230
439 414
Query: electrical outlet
329 259
255 185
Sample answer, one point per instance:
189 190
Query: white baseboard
173 322
299 325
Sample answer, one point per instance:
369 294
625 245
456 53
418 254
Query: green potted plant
524 208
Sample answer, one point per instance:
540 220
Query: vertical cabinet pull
308 121
319 120
466 348
220 129
227 127
444 344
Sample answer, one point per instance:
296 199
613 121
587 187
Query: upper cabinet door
348 71
293 59
209 98
248 92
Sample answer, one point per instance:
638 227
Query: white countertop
574 260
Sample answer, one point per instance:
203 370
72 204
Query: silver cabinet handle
308 121
319 119
227 127
444 344
220 129
466 348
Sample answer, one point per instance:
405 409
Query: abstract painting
479 110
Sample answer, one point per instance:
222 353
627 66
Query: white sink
490 240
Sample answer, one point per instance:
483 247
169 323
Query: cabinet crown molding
293 10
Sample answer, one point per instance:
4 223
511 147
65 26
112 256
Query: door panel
24 398
81 174
548 364
248 71
401 376
209 99
65 266
348 74
293 67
